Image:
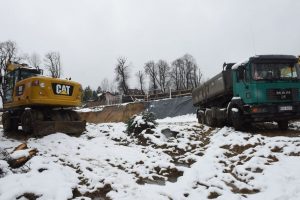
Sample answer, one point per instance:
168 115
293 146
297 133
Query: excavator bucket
42 128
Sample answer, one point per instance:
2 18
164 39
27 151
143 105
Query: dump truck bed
216 89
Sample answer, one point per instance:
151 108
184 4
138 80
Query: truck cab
266 88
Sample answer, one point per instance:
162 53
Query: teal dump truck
263 88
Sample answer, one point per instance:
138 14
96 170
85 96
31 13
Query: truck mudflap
42 128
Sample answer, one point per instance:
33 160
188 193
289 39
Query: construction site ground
179 159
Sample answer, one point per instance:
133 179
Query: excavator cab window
13 77
9 82
27 73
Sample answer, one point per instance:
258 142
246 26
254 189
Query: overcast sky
92 34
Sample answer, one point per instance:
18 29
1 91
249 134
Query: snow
204 162
235 66
138 120
55 182
234 110
183 118
96 109
236 98
20 153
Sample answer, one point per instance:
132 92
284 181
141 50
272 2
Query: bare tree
185 73
175 73
178 74
8 54
163 74
141 79
197 77
122 75
34 60
151 70
112 86
194 75
188 68
53 64
104 85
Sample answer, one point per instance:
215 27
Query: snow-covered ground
180 159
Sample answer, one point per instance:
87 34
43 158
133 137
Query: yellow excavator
40 104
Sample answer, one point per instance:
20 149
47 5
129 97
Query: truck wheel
201 117
210 121
229 116
26 121
283 125
237 120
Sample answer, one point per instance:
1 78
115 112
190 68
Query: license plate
285 108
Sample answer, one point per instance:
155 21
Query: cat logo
61 89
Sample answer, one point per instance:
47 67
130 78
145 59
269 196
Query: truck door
241 88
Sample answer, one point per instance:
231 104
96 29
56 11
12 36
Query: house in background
107 98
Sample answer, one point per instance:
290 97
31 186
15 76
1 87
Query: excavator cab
14 75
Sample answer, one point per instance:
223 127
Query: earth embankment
121 113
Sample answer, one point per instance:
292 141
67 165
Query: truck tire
237 120
283 125
209 119
229 116
201 117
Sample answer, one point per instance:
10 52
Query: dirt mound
116 113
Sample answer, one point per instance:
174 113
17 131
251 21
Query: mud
213 195
98 194
29 196
271 130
